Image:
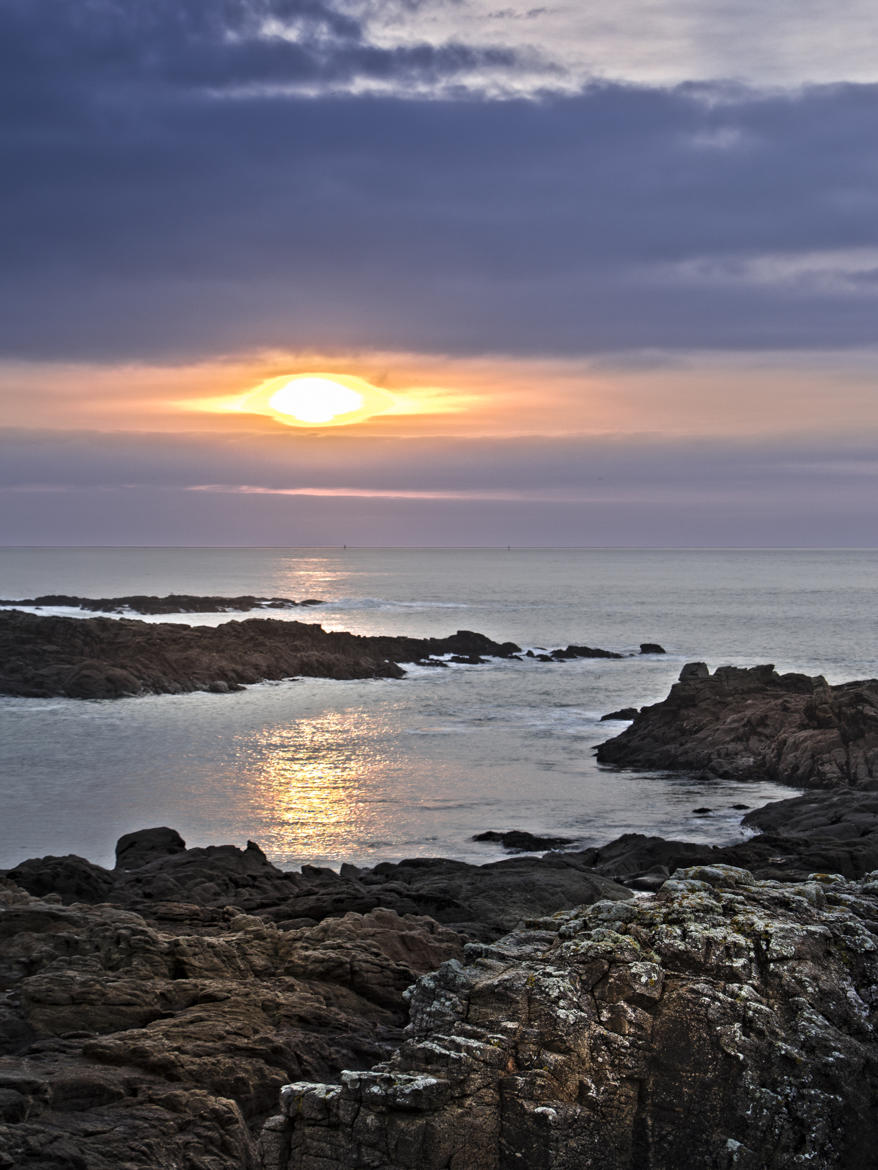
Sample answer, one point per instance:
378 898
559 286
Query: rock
569 652
137 849
71 878
107 658
173 603
725 1022
756 724
624 713
652 648
125 1045
694 670
519 841
828 831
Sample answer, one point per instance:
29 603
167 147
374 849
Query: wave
371 603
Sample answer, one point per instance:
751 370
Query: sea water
321 771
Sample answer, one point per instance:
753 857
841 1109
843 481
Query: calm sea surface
321 771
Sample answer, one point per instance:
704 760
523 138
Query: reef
107 658
44 655
150 604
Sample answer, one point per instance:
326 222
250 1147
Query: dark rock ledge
754 723
150 1014
108 658
172 603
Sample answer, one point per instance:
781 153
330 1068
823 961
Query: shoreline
203 1006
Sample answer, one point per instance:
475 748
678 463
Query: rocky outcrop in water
172 603
754 723
520 841
724 1023
107 658
110 658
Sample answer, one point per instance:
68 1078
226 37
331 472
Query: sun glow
315 400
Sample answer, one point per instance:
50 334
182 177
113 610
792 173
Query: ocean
321 771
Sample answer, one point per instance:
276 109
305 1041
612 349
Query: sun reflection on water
314 784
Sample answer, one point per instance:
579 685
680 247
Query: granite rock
754 723
723 1023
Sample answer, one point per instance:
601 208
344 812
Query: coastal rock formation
110 658
172 603
153 873
106 658
124 1045
151 1013
754 723
724 1023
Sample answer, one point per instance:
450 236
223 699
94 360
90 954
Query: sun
315 400
318 399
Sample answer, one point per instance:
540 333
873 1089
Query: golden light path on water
313 796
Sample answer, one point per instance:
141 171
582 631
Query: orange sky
716 394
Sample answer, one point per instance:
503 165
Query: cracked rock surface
128 1047
725 1022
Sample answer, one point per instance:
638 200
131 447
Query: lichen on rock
725 1022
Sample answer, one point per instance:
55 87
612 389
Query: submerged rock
757 724
520 841
725 1022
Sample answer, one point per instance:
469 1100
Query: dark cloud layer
169 189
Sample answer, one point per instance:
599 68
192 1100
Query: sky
603 275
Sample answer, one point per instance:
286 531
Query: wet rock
108 658
624 713
725 1022
652 648
173 603
570 652
520 841
756 724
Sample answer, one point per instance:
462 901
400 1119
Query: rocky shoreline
643 1005
153 1013
43 656
150 604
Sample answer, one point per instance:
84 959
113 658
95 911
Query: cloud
183 179
630 466
335 489
149 218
